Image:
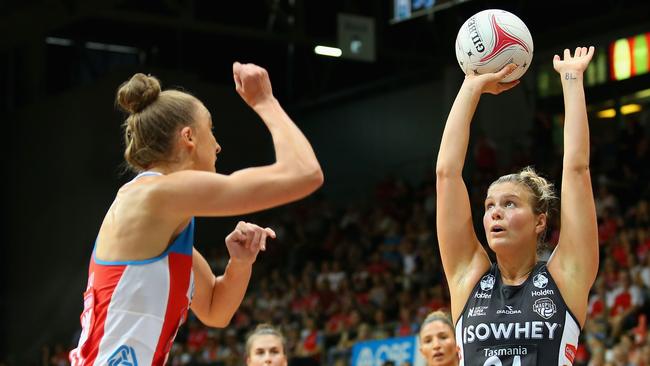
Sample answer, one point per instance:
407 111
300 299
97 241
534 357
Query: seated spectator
405 326
310 346
353 333
231 353
381 329
623 303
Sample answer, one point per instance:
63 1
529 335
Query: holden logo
540 281
544 307
487 282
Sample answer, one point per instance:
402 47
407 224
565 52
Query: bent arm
462 255
457 239
216 299
463 258
295 174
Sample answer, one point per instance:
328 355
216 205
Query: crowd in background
371 270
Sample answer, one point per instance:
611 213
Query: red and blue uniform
133 309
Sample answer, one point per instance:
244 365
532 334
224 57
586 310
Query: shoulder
140 190
150 196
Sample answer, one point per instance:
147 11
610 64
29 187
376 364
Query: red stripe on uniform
180 269
107 278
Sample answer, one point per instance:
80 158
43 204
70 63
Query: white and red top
133 309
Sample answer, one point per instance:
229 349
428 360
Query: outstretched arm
575 261
463 257
216 299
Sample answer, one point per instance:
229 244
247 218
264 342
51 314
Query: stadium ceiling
204 37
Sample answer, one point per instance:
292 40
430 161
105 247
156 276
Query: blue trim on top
183 244
143 174
147 173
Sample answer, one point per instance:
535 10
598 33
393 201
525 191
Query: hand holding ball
490 40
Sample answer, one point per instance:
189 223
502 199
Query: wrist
571 76
471 86
237 263
265 104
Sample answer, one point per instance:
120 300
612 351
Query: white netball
491 39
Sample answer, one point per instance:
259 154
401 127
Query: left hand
252 82
573 64
246 241
491 82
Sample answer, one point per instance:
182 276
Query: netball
491 39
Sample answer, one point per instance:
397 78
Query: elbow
443 171
300 180
577 167
317 178
219 322
312 177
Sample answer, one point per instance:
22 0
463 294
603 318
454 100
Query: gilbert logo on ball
491 39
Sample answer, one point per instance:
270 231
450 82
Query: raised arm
575 261
216 299
463 257
295 174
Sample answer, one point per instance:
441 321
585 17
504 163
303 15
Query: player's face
438 345
509 218
266 350
207 147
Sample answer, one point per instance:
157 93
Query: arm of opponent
295 173
216 299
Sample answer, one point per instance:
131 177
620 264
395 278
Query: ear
187 136
540 225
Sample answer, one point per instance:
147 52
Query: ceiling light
607 113
328 51
630 108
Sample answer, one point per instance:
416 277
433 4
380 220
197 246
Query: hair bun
136 94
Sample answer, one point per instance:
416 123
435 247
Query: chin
500 245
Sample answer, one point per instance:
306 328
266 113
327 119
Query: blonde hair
154 117
265 329
542 192
440 316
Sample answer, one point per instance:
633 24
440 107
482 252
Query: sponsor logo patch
570 352
545 307
477 311
544 292
124 356
487 282
509 310
540 280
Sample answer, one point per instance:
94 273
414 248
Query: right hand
246 241
252 83
491 82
